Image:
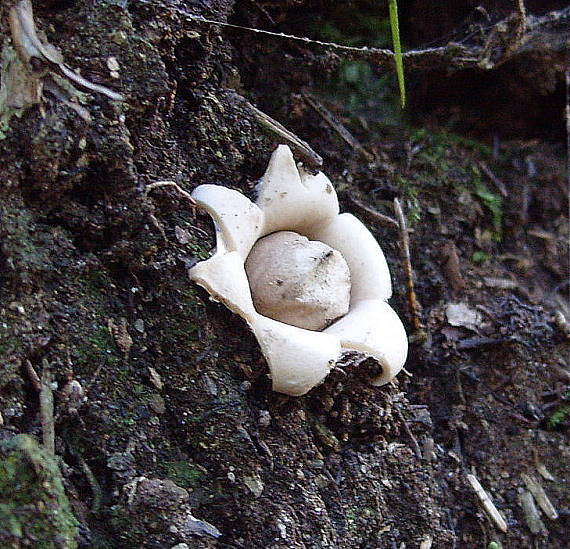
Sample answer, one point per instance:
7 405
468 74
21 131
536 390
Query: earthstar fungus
315 269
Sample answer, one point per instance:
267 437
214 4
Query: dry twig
41 57
47 409
372 214
96 489
413 304
33 376
159 184
494 179
303 149
487 504
415 445
338 127
536 489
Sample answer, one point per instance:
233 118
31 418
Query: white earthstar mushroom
319 280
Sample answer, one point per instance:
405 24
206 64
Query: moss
34 509
98 345
199 251
20 237
8 343
442 141
326 437
480 257
443 163
95 282
411 198
187 325
10 64
494 203
561 414
9 373
184 474
123 528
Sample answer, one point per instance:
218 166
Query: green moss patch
34 509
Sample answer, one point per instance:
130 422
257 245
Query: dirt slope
166 429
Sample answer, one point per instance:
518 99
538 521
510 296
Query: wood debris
373 215
536 489
33 376
413 303
451 266
121 335
541 468
501 283
531 513
338 127
487 504
47 409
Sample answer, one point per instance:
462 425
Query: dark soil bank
167 433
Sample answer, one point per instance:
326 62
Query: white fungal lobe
306 298
298 281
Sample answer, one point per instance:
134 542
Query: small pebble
264 418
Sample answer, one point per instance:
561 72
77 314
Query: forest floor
166 431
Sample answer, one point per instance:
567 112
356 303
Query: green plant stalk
393 10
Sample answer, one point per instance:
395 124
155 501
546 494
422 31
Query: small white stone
112 64
264 418
255 485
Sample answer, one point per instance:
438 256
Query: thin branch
337 126
413 304
159 184
303 149
372 214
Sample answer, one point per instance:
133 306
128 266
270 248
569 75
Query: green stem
393 10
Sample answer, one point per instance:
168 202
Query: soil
167 433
